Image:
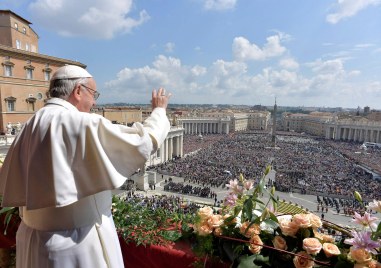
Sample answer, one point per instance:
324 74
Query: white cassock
60 170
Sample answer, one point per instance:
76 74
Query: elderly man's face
88 91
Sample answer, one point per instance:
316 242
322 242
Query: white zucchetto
70 72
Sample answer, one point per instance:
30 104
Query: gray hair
62 88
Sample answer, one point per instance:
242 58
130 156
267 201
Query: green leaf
273 217
378 228
270 222
247 210
237 209
171 235
6 209
246 261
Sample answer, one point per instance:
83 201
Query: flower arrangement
252 234
248 232
143 225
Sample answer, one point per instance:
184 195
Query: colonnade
171 147
205 126
364 133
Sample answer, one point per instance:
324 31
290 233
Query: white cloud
348 8
317 83
219 4
289 63
334 67
99 19
134 85
243 50
366 45
169 47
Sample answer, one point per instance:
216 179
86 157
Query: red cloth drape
180 256
155 256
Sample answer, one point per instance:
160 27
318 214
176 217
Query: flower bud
358 196
268 168
273 190
265 213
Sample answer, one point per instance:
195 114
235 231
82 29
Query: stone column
166 150
170 148
181 145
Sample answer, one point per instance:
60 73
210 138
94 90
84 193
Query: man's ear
77 92
75 95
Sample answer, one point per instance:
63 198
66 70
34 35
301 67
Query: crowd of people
341 205
188 189
169 203
301 163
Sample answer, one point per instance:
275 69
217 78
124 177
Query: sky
324 53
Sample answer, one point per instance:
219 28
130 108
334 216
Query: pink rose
303 261
215 221
328 238
330 250
203 230
312 245
255 244
253 230
315 221
374 264
288 227
205 213
360 255
279 243
375 205
302 220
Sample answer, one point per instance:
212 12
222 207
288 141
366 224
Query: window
7 70
47 75
11 103
31 101
29 70
16 26
8 66
47 71
26 46
11 106
29 73
18 44
24 30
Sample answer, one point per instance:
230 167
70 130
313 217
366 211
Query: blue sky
303 52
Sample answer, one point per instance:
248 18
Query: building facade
204 125
330 126
120 115
350 130
224 122
313 123
24 73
